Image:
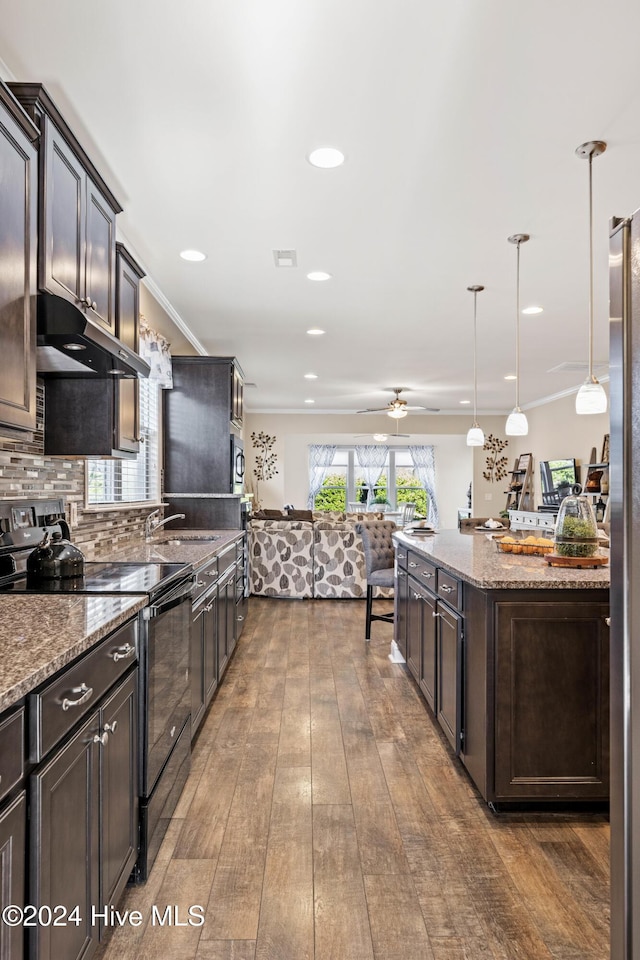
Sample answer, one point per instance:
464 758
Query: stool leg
367 631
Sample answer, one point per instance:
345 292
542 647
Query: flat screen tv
558 477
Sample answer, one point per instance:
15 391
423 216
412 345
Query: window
345 482
127 481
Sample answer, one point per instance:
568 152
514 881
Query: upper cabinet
77 231
126 416
237 394
18 246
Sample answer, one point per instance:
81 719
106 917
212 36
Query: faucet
151 525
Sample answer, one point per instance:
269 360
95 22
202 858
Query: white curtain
424 462
154 348
371 457
320 459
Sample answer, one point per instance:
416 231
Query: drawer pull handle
211 573
123 653
208 608
240 618
111 727
412 563
446 589
85 693
401 573
427 575
199 583
402 556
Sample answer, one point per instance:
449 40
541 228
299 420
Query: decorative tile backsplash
26 473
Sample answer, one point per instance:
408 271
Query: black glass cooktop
149 578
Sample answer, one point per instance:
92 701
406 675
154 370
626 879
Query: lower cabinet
84 825
204 655
13 820
226 620
401 597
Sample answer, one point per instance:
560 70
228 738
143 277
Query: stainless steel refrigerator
624 489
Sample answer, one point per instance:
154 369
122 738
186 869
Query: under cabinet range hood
70 344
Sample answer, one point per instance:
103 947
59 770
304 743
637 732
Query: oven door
166 691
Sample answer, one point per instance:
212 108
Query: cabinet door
127 392
62 239
237 390
400 619
210 648
427 679
18 245
552 700
119 789
414 629
196 669
100 258
65 844
225 622
12 873
449 674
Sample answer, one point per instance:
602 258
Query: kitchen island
512 657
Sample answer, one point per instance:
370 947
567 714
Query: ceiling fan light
591 397
397 413
380 437
517 424
475 436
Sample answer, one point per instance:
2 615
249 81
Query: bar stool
379 556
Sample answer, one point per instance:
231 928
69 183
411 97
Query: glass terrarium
576 533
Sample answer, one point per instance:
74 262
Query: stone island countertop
474 557
40 635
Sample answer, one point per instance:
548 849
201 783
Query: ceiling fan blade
374 410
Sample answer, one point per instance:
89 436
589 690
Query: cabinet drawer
449 588
56 707
422 570
402 557
226 559
11 751
204 577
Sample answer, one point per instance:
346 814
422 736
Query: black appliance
237 465
164 685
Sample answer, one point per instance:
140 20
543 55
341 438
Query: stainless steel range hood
70 344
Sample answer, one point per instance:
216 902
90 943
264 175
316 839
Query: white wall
555 431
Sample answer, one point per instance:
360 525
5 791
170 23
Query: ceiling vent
578 366
284 258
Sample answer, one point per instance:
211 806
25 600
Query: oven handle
179 594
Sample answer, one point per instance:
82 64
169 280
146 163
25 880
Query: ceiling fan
398 408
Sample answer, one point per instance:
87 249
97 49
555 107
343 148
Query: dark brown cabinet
448 672
226 631
127 392
18 250
13 819
237 394
77 230
198 418
83 797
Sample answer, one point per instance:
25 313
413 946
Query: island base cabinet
84 826
12 873
449 674
552 701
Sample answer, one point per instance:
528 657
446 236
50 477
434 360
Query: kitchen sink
185 538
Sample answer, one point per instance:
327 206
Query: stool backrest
379 551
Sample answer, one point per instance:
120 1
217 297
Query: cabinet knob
102 738
426 575
94 305
412 563
446 589
436 614
607 620
111 727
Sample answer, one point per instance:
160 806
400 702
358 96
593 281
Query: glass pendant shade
397 413
475 436
517 424
591 397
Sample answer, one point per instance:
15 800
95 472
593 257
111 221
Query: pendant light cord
591 267
518 324
475 358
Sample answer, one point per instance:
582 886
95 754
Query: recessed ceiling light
326 157
531 310
309 401
511 376
465 401
193 255
311 376
318 275
315 332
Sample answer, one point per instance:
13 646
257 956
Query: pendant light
517 425
591 397
475 436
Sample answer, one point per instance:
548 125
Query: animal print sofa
321 558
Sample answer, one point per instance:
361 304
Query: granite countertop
176 545
474 557
40 635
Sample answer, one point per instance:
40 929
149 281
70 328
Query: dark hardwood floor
326 819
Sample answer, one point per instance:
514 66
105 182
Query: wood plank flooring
326 819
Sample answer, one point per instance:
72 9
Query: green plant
580 538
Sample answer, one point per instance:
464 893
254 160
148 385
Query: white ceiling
459 121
